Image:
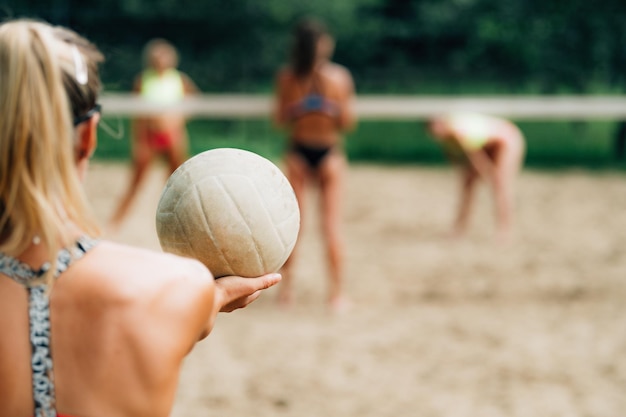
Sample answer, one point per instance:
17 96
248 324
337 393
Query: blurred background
392 47
441 329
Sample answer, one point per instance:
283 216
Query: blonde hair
40 190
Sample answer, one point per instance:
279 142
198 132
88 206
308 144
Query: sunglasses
97 108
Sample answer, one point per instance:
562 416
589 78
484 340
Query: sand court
438 328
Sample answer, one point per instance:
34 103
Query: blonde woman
90 327
484 147
314 103
163 134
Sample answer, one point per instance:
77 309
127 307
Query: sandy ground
438 328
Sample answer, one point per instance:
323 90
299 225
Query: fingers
269 280
236 292
240 303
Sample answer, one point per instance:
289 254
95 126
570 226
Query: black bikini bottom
312 155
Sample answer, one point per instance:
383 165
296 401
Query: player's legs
142 157
508 160
332 173
469 178
177 152
297 173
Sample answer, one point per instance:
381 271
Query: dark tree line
545 46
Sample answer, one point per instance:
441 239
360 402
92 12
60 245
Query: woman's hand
232 292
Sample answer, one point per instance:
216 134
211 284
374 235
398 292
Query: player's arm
204 297
347 116
482 164
186 305
179 308
477 158
280 111
138 124
454 152
189 87
137 85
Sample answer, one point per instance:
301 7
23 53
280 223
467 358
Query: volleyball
231 209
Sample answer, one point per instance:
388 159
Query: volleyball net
566 130
386 107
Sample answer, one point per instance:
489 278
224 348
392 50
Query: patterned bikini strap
39 319
25 275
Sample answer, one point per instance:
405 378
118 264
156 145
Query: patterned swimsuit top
39 318
313 102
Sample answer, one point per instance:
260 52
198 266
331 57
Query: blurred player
161 134
483 147
314 103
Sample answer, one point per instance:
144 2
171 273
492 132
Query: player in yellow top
483 147
158 134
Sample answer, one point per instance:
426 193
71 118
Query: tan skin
498 162
318 131
122 321
174 124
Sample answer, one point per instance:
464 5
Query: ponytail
40 192
306 35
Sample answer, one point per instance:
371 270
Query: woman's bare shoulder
338 71
147 271
161 286
339 76
165 302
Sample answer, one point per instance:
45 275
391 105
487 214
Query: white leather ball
231 209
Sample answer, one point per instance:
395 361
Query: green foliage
391 46
547 46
